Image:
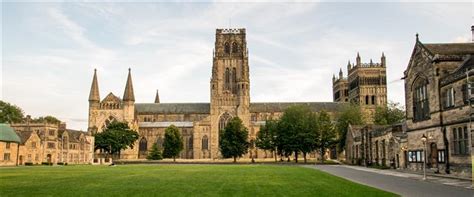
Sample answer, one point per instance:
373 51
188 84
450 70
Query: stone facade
53 143
199 123
365 85
8 153
376 145
437 97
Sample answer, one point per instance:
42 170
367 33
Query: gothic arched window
205 143
142 147
190 143
235 48
223 120
107 122
421 108
226 48
159 143
234 80
227 78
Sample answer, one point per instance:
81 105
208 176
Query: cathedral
200 123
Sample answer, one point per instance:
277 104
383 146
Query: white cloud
294 50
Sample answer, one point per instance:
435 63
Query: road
403 184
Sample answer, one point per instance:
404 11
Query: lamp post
276 149
423 139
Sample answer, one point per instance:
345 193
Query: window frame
421 104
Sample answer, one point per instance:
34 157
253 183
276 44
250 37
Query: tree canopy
155 153
266 137
173 143
393 113
10 113
327 135
297 131
233 140
351 114
46 119
117 136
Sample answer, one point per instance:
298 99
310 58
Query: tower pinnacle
128 93
94 93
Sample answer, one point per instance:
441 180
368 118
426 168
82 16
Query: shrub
46 163
28 163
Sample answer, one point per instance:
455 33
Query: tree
393 113
10 113
233 140
173 143
266 137
155 153
350 114
115 138
46 119
327 135
296 131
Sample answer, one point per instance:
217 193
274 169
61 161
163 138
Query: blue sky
49 50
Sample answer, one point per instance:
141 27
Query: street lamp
423 139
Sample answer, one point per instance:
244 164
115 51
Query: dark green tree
173 143
233 140
10 113
155 153
266 137
350 114
393 113
115 138
296 131
46 119
327 134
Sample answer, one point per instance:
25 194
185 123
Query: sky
50 50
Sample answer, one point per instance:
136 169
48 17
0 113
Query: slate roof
281 106
24 136
459 73
173 108
204 108
450 48
7 134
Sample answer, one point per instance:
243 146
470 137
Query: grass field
177 180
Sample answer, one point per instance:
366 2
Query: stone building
365 85
9 146
382 145
199 123
53 143
437 97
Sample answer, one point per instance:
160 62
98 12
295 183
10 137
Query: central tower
230 84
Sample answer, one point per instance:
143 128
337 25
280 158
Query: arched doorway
48 158
142 148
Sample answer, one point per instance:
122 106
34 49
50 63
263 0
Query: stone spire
340 73
348 66
157 97
383 59
358 59
94 94
128 93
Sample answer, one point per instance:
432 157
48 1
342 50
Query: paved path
404 184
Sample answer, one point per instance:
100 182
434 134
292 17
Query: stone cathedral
199 123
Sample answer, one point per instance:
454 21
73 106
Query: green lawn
177 180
